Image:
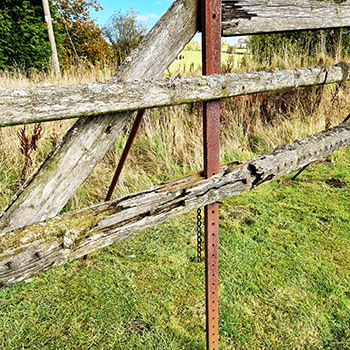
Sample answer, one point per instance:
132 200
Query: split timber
33 249
243 17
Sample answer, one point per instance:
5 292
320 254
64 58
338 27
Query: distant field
192 62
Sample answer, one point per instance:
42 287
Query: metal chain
199 235
333 99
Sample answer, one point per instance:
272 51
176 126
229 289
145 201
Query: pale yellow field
191 63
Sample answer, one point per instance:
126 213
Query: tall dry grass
82 74
169 143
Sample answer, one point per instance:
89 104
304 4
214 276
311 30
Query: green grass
284 279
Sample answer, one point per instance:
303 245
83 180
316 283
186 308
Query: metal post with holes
211 59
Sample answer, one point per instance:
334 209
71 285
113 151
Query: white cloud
161 2
147 17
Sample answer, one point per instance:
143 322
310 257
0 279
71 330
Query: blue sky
148 12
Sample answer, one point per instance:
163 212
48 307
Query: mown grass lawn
284 279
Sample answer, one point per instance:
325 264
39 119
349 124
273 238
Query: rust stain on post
211 44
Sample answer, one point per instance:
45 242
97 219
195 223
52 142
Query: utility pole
54 57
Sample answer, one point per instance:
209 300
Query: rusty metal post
211 60
125 153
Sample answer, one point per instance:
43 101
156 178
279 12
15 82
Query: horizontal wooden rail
37 104
28 251
89 139
243 17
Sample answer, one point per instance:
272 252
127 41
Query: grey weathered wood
18 106
28 251
243 17
90 138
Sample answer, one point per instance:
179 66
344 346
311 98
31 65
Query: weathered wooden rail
103 110
28 251
38 104
89 139
243 17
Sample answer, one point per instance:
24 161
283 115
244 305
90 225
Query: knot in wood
172 82
69 238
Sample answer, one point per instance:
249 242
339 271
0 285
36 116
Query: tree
226 47
24 39
193 45
23 36
124 33
83 39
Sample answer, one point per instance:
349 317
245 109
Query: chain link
335 97
199 235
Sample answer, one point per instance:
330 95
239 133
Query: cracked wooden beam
30 250
244 17
40 104
46 193
85 144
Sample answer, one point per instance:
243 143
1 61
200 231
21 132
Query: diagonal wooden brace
89 139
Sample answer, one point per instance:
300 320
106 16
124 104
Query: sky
148 12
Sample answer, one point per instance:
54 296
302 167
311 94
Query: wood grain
46 193
243 17
28 251
38 104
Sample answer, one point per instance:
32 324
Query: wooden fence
34 239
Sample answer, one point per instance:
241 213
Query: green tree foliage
124 33
193 45
82 38
226 47
333 42
23 35
24 40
